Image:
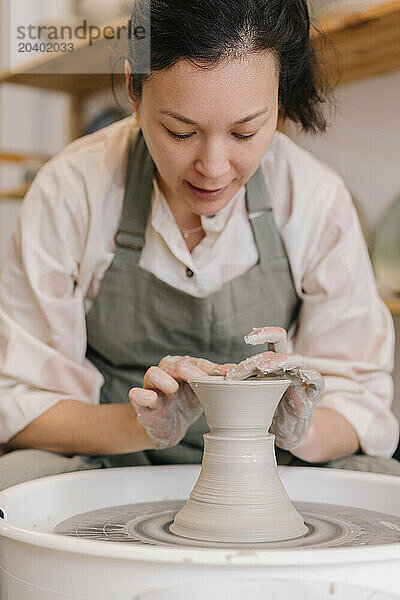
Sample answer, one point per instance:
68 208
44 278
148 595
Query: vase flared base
246 524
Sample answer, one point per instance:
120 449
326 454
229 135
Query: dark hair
212 31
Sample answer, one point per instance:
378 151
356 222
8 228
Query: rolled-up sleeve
42 316
344 330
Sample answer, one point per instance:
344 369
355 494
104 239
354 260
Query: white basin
39 565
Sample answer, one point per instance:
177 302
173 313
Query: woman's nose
213 163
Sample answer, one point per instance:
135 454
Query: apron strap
257 194
265 231
136 205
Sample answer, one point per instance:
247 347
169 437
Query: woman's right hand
295 412
166 406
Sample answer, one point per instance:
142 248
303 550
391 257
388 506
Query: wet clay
239 496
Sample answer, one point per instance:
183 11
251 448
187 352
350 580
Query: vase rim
220 380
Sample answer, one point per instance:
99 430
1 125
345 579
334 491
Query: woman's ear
128 84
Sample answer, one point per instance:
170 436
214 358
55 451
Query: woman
164 242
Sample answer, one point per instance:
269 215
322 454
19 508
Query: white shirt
64 242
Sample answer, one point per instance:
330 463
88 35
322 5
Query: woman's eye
243 138
176 136
179 137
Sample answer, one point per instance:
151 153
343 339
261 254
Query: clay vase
239 496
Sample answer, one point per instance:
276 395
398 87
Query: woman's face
225 118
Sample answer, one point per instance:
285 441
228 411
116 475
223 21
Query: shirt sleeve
42 316
344 330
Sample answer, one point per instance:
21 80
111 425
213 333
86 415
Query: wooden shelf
77 84
393 305
83 71
368 43
16 193
18 157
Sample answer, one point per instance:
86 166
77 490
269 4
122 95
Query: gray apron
136 318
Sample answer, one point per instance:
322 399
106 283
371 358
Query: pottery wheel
148 523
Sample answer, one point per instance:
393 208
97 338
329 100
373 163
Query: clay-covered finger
181 368
207 366
167 362
158 379
226 368
274 337
143 398
176 367
271 362
243 370
313 379
184 370
266 363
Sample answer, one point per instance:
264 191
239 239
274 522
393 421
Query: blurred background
49 99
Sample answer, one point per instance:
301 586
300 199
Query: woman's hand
166 406
295 411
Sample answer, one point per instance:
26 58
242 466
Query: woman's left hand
166 406
295 411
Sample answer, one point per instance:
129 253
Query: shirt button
189 272
210 216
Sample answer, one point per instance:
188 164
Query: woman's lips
205 194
